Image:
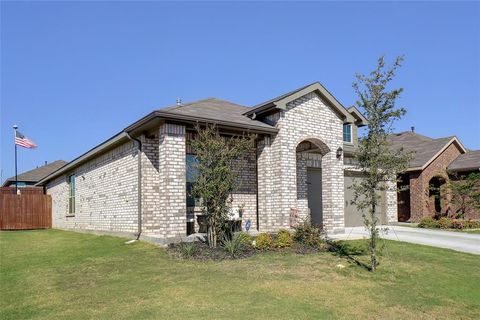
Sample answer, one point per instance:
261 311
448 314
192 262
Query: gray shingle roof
423 148
465 162
39 173
216 109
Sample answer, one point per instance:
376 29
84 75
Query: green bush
471 224
445 223
428 222
237 244
188 249
308 234
263 241
283 239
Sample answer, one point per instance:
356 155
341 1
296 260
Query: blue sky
75 73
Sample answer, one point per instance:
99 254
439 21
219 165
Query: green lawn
64 275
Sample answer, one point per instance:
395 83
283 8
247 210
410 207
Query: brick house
138 180
434 163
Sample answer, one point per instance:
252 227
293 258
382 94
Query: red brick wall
420 204
471 213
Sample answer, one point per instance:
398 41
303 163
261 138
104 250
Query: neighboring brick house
137 181
31 177
433 163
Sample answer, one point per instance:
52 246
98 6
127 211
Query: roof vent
179 101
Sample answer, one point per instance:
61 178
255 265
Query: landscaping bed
446 223
305 239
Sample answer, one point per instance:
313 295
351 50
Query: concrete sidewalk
458 241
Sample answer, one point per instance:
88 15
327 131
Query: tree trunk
373 239
211 236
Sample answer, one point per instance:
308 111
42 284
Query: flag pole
15 127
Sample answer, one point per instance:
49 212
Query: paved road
458 241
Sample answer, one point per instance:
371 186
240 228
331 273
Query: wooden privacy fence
31 209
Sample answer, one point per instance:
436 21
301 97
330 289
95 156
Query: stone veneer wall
307 118
106 193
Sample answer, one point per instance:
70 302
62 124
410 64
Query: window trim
71 198
189 182
351 133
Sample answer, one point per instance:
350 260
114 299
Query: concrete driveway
458 241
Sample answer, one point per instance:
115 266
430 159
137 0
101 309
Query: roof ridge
177 106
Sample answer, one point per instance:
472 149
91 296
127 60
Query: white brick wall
106 186
106 193
172 213
307 118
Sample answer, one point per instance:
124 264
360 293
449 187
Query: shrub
236 244
188 249
428 222
459 224
263 241
445 223
308 234
283 239
471 224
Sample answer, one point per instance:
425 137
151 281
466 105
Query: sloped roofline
362 121
139 125
281 102
453 140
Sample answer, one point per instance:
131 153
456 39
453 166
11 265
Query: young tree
378 163
219 159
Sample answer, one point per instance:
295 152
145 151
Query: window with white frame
347 133
71 194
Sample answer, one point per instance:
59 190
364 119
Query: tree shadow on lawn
349 251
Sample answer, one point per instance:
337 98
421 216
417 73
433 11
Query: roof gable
281 102
424 149
466 162
360 119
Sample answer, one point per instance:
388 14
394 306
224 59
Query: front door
314 181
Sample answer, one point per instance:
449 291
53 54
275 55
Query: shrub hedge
448 223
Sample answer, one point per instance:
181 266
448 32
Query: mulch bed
203 252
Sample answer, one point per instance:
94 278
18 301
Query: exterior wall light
339 152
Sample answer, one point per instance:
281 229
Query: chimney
413 128
179 101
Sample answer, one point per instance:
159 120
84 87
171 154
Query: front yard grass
53 274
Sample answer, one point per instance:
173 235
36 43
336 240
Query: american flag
23 141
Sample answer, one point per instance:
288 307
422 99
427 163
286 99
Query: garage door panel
353 216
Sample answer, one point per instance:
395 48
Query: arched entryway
436 194
309 153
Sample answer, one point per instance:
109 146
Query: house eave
149 121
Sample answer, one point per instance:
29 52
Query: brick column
172 186
333 193
391 199
417 196
264 180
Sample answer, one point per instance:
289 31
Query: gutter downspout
139 179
